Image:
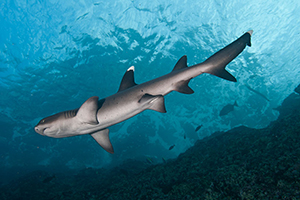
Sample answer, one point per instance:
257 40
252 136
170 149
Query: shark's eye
43 121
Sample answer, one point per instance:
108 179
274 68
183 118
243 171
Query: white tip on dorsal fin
131 68
250 32
87 113
128 79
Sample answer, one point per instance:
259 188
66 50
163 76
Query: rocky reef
242 163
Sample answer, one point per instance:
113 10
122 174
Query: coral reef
242 163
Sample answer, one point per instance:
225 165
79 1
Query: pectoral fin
103 139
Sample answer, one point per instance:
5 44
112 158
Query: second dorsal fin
181 63
128 79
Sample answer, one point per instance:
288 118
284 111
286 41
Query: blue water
56 54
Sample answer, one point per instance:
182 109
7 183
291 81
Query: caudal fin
219 60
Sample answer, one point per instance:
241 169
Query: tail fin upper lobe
219 60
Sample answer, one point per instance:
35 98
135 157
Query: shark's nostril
38 130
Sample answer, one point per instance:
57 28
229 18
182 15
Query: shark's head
48 126
71 122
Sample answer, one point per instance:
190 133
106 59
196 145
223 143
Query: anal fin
103 140
183 87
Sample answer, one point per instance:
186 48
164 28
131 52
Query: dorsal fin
128 79
181 63
87 113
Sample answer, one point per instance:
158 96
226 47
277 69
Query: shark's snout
39 130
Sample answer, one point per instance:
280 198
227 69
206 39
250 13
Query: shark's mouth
43 132
40 131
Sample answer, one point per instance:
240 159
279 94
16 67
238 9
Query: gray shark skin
95 116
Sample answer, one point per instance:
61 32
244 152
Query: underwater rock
48 179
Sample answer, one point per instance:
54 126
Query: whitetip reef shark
95 116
